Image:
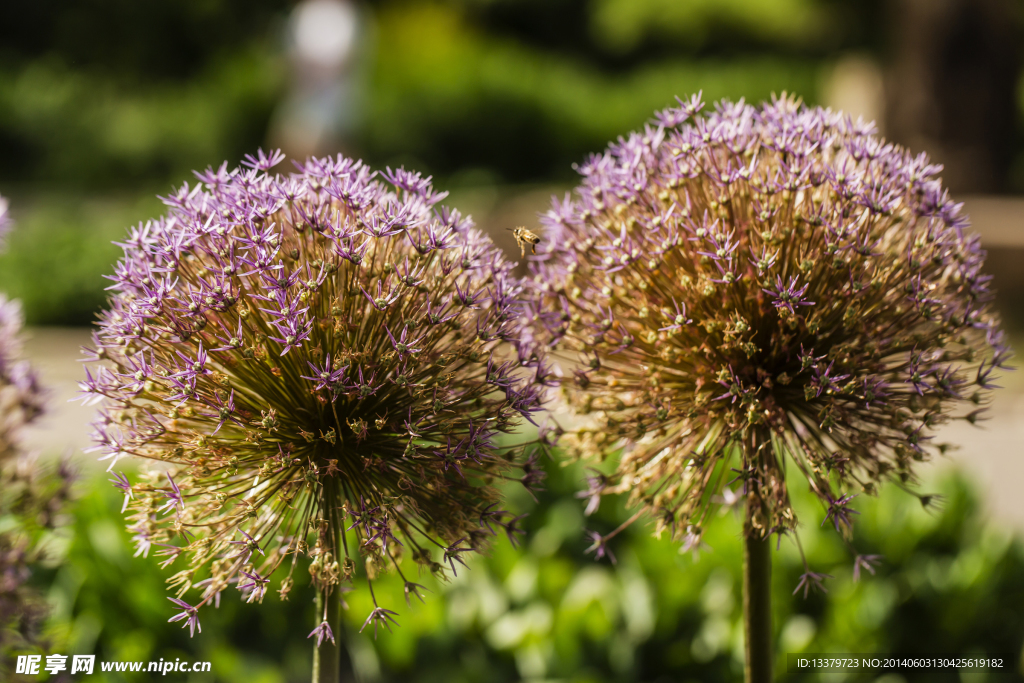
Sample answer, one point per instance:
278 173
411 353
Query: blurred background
106 104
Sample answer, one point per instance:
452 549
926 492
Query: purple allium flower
22 398
32 496
868 562
174 499
322 632
189 614
596 485
380 616
757 285
599 546
121 483
254 586
327 362
811 581
839 513
5 222
413 589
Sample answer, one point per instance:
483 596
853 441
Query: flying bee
524 237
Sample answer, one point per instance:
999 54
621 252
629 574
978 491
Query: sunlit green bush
61 249
448 96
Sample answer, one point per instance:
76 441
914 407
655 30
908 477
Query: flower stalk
757 589
757 609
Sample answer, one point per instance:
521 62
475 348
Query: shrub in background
951 582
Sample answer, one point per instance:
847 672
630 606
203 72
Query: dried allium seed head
761 284
326 362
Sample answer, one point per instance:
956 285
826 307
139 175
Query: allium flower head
754 286
21 395
5 222
31 496
324 362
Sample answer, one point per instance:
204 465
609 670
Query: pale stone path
54 351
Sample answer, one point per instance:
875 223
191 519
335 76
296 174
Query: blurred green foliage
119 94
623 25
106 94
521 113
32 498
107 103
80 128
950 583
61 250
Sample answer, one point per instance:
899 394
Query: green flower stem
327 657
757 607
